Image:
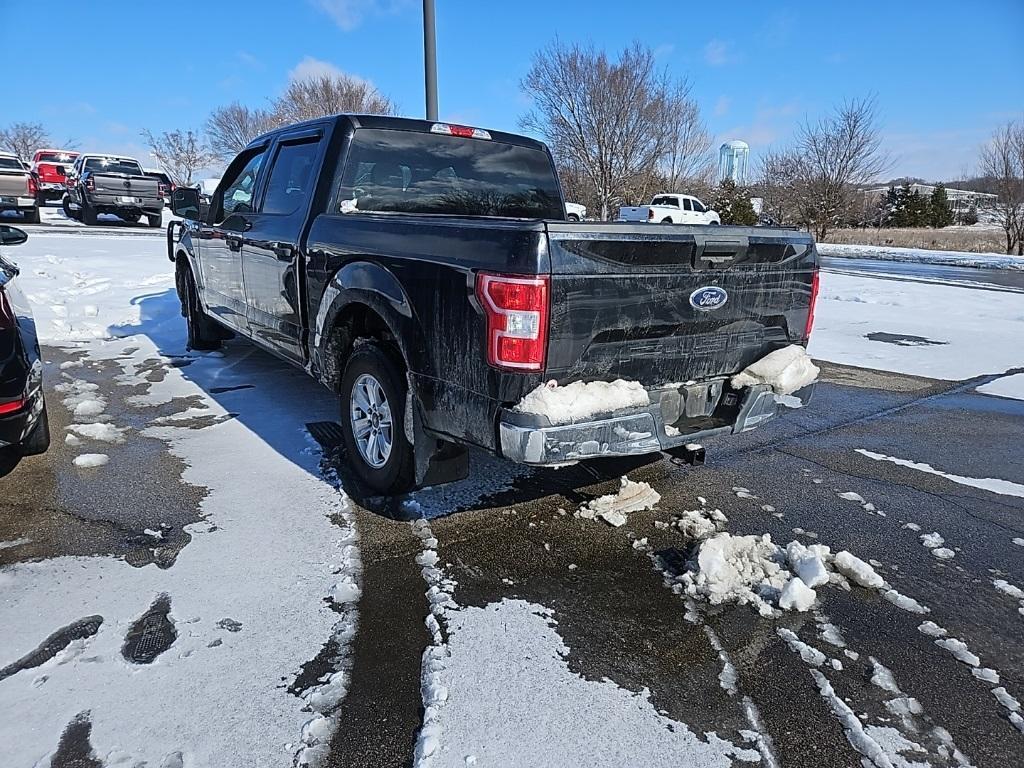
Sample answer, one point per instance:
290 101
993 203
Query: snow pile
749 570
1011 590
91 460
699 523
613 508
579 401
785 370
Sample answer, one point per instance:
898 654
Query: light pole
430 59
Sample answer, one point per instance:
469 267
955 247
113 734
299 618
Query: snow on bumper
676 415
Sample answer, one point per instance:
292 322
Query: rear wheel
666 221
31 215
373 391
38 439
573 217
156 221
714 223
203 333
65 204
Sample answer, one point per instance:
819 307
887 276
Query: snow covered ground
275 551
921 256
938 331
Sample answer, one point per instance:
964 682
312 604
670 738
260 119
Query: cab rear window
392 171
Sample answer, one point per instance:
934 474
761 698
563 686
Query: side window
686 204
698 206
239 191
291 177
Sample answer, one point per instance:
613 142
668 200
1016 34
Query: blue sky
945 74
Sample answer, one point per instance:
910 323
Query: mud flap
436 461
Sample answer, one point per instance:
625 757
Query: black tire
572 217
713 223
666 221
38 440
156 221
31 215
397 473
203 333
88 213
65 204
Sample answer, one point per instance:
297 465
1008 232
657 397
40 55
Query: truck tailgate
124 184
13 183
623 302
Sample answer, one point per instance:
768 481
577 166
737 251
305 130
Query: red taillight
810 309
517 320
32 186
161 189
90 184
12 406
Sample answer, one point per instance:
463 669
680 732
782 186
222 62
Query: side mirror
185 203
12 235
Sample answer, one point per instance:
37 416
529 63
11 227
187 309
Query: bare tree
609 121
180 154
1002 160
231 128
23 139
777 185
688 160
835 155
329 94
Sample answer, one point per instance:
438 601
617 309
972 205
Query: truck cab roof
403 124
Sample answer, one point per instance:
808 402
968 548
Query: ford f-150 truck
109 184
18 188
427 273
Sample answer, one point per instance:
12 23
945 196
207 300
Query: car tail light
814 300
90 184
161 189
12 406
517 319
32 186
650 214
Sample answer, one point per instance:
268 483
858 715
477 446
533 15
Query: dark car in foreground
24 429
427 273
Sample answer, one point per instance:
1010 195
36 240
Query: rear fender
363 285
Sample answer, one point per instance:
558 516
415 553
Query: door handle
283 251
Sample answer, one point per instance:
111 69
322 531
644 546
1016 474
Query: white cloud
717 53
309 68
346 13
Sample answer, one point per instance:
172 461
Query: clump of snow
932 540
808 563
579 400
1004 698
986 675
741 569
882 676
959 650
912 526
100 431
932 629
808 653
852 496
857 570
785 370
613 507
903 602
944 553
699 523
1019 541
1009 589
91 460
797 596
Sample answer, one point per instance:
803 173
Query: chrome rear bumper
532 439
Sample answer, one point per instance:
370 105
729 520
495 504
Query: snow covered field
274 573
922 256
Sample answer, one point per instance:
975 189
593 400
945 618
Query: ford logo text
709 297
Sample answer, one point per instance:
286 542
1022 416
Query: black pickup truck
426 272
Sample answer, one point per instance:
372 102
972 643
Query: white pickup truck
671 209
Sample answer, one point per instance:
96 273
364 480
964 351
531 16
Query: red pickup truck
48 166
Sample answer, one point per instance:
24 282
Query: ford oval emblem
709 297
